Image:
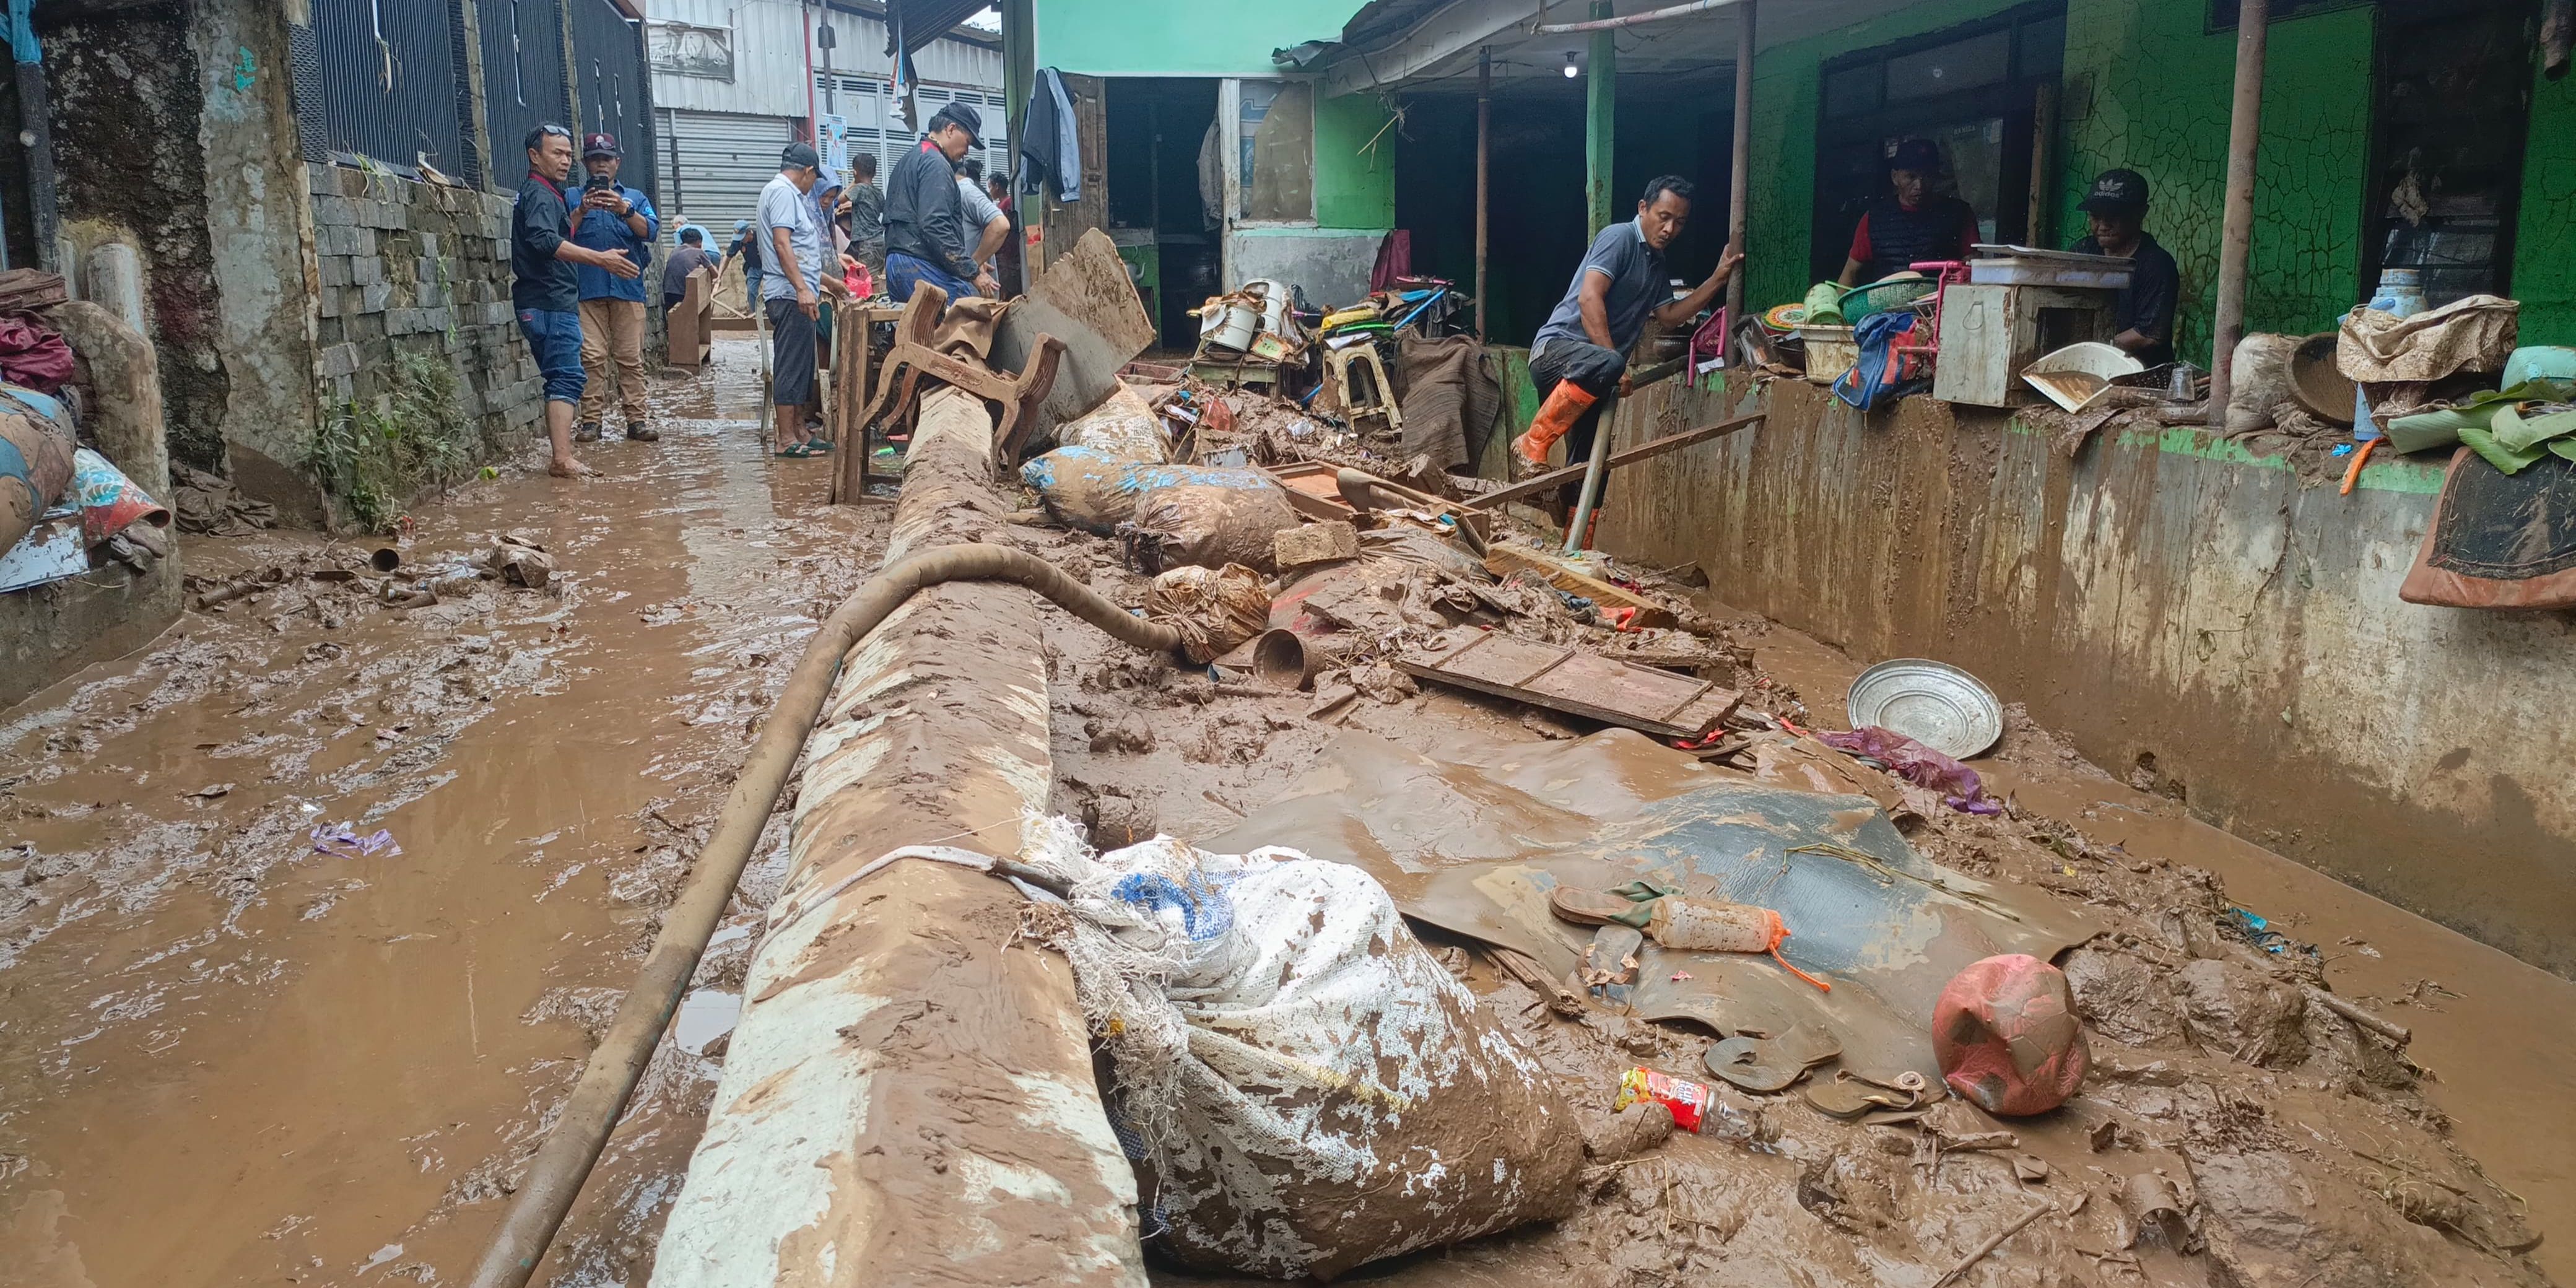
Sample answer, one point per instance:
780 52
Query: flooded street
227 1056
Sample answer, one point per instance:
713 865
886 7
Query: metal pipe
2236 239
608 1078
1739 193
1580 527
2043 156
1484 137
1634 19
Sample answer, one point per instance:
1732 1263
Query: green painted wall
2544 248
1354 163
2147 88
1180 37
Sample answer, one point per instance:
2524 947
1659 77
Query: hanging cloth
1049 148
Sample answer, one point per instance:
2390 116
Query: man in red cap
617 220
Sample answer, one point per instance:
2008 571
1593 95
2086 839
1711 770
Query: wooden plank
1504 560
1626 456
1578 683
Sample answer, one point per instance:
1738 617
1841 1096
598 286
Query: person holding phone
545 294
617 220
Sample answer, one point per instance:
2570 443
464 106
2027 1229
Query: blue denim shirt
600 230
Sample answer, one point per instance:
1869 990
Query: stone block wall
404 267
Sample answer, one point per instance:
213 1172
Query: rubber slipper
1771 1064
1844 1096
1611 958
797 453
818 446
1589 907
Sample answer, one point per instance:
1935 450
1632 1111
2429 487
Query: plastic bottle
2401 292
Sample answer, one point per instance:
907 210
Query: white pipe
1634 19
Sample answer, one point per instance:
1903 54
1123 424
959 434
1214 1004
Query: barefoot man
544 290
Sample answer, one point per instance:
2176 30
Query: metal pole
1600 98
2043 158
2236 241
1602 21
1484 158
1581 525
1739 196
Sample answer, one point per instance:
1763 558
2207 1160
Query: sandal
796 453
818 447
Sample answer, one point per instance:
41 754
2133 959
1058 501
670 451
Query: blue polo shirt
601 230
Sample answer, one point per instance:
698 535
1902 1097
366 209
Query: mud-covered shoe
586 432
639 432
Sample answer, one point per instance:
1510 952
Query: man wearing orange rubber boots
1579 358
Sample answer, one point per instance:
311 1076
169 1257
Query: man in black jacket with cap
923 214
1911 224
2116 209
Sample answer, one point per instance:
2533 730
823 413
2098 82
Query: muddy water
2497 1034
228 1058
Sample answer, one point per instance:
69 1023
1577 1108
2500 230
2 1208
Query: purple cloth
1959 785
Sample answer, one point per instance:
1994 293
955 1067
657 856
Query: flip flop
796 453
1771 1064
1589 907
818 447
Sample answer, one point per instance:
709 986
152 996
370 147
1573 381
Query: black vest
1900 238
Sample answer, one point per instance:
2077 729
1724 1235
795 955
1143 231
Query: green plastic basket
1879 297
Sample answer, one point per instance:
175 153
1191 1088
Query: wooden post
1740 190
1600 97
2236 240
1484 160
2043 158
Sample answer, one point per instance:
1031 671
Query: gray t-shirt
979 210
1637 288
782 206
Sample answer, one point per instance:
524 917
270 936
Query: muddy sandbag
2260 380
1125 427
36 459
1096 490
1303 1085
1214 609
1208 524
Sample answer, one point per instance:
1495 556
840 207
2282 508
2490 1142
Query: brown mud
2230 1134
228 1058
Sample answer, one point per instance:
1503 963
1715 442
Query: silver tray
1934 703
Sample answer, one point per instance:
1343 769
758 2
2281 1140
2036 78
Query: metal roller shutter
714 165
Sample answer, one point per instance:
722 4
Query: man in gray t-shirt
790 230
1579 358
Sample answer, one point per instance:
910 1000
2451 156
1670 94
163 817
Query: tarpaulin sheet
1474 848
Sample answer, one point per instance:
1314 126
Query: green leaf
2518 427
2497 454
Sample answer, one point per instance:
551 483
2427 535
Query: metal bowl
1933 703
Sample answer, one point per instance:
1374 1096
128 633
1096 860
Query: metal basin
1933 703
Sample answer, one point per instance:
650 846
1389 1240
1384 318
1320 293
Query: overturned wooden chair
924 348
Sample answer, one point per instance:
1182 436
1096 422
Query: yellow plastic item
1356 313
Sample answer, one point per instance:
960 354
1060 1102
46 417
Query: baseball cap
800 154
600 145
1918 155
742 225
966 118
2116 190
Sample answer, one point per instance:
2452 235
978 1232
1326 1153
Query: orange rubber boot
1564 405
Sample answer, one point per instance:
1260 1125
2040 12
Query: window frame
1237 183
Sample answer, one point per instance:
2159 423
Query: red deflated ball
2006 1036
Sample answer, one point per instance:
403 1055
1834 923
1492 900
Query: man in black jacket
1911 223
923 214
544 292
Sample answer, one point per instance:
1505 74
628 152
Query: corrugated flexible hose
564 1162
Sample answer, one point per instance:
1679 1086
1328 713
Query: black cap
1918 155
800 154
2116 192
966 118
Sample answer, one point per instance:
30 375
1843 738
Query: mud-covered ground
2231 1133
227 1057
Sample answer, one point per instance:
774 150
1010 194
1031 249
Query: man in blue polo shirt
544 292
618 220
1580 356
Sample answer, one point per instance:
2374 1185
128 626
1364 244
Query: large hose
564 1162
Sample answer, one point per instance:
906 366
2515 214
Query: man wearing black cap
791 290
924 216
1911 224
618 220
2116 208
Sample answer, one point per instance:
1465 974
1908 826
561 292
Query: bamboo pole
2236 241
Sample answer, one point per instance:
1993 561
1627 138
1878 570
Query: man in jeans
619 220
544 292
791 240
924 223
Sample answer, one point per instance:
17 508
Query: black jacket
922 212
539 223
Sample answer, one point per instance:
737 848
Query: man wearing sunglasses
545 291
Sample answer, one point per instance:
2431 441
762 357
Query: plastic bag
1125 427
1096 490
1208 525
1215 609
1303 1086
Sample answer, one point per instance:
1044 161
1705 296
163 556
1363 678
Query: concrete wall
2186 611
420 268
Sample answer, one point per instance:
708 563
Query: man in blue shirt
544 292
1580 356
616 220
